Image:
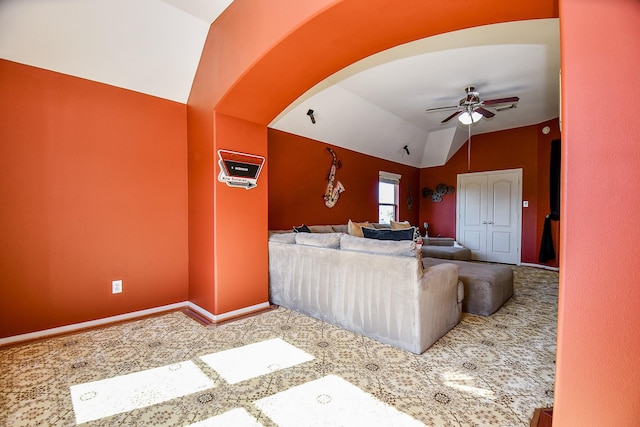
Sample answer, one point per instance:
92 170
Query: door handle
484 222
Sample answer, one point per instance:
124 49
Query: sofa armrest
439 299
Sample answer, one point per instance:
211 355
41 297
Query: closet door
503 218
489 215
472 213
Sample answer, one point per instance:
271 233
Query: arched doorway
240 76
247 49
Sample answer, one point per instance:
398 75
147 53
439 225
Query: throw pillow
390 234
302 229
379 225
355 228
400 225
321 229
405 224
340 228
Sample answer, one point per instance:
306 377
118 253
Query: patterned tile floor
488 371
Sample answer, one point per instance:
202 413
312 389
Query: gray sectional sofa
376 288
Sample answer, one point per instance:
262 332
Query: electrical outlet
116 286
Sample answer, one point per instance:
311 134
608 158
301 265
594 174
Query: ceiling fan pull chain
469 150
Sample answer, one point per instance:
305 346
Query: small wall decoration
239 170
437 194
333 192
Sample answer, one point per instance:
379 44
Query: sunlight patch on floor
98 399
331 401
253 360
466 383
235 417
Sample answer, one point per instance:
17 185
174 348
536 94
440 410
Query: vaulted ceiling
375 106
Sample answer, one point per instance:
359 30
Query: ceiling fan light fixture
467 118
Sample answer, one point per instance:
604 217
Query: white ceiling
148 46
375 106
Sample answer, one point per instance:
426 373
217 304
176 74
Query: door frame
519 208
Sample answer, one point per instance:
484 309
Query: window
388 197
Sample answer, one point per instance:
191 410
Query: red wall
298 179
598 374
527 148
228 226
93 188
597 378
240 232
224 226
75 214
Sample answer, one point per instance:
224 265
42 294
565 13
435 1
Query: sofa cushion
340 228
302 229
389 234
355 228
384 247
323 240
321 229
283 237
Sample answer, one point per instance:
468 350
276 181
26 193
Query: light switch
525 203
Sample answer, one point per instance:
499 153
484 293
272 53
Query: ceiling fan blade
451 117
429 110
486 113
509 100
506 107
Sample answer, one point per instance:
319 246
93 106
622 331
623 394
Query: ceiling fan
473 108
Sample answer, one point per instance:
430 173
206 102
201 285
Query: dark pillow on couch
302 229
389 234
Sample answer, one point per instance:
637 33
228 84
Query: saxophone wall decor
333 191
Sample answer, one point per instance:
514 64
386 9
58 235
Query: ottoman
486 286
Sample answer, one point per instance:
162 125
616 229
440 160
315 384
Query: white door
472 208
489 215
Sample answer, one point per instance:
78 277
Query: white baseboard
235 313
90 324
546 267
129 316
